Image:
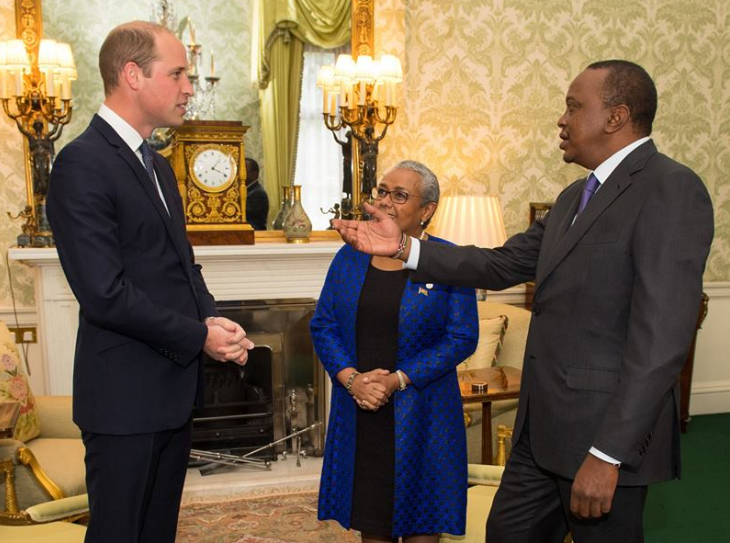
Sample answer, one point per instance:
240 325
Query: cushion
491 337
14 387
478 503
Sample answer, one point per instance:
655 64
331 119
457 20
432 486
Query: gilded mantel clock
209 162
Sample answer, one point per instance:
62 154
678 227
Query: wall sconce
360 95
471 220
35 90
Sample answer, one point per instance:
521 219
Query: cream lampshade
471 220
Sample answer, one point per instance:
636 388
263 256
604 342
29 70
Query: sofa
44 460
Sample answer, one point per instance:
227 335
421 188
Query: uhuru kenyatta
395 457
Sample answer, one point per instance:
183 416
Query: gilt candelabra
35 90
360 96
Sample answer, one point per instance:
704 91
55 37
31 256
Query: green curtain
284 26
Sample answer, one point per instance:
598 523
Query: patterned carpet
290 518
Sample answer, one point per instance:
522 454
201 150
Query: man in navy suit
146 315
617 265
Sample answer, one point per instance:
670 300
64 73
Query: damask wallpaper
484 87
485 82
12 189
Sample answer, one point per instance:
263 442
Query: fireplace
280 390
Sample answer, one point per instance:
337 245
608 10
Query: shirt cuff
414 255
603 456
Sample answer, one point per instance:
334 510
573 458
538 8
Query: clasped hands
227 341
371 390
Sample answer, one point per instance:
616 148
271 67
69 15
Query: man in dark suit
257 201
618 280
146 315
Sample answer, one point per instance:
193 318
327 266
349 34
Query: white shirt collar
130 136
606 168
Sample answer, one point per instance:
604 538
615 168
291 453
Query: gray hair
430 191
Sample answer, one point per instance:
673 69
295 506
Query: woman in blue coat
395 457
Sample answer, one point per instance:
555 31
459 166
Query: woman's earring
423 224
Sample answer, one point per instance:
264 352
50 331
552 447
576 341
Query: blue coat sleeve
325 326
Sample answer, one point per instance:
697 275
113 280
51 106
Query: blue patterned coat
438 328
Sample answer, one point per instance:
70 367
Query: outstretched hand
378 236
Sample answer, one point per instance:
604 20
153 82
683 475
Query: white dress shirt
131 137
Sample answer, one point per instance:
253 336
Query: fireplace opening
279 391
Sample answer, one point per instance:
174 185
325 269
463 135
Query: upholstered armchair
42 474
483 483
502 339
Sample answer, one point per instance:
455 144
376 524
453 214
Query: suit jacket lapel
617 183
175 221
171 220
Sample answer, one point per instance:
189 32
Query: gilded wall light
35 90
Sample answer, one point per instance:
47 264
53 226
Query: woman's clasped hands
371 390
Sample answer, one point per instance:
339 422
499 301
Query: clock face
213 168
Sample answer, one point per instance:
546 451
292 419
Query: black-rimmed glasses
397 196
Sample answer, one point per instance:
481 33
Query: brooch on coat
424 291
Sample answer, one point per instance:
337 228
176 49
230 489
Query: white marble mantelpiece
241 272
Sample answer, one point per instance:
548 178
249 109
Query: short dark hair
128 42
629 84
252 165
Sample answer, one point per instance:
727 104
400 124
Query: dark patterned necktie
588 191
147 158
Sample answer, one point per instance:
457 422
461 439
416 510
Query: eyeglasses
396 196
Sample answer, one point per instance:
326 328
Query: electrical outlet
25 334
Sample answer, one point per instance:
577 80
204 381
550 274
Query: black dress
378 313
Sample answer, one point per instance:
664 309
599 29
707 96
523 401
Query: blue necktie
589 190
149 163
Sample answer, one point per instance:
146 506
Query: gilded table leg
487 454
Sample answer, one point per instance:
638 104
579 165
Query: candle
65 88
325 101
343 94
3 80
333 104
18 76
212 65
57 85
351 98
388 93
192 32
50 88
361 98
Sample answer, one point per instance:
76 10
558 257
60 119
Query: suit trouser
532 505
135 485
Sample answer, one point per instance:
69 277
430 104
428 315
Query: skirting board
710 397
